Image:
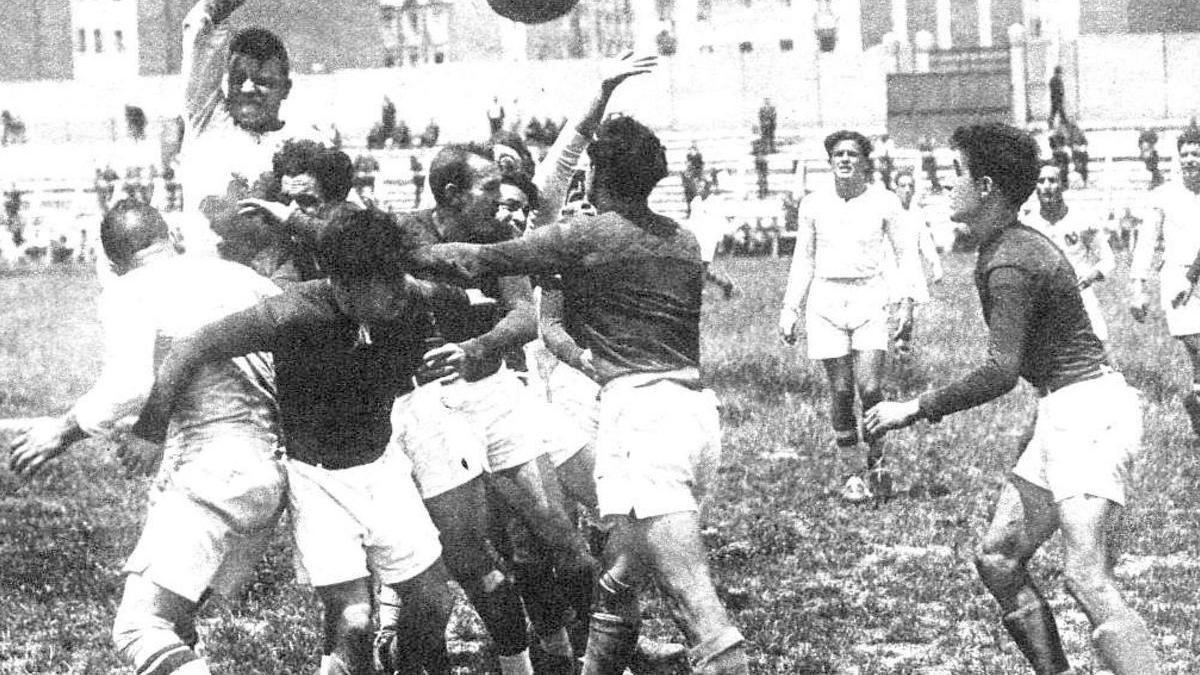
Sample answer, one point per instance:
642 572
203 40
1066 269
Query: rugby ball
532 11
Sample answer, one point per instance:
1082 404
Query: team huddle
433 396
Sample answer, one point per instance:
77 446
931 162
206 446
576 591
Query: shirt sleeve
205 46
517 327
905 245
800 272
548 250
554 331
1106 261
127 371
1011 291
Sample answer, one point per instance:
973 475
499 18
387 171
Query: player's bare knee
1090 585
354 621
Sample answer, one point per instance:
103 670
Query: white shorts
212 509
1092 306
1085 439
846 315
348 523
576 403
445 452
658 447
502 411
1182 320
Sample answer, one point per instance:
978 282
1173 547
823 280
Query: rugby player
1171 226
344 349
1085 245
630 272
838 275
221 488
921 241
1072 473
490 401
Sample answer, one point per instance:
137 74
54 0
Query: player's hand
904 326
444 363
787 326
889 415
626 66
280 212
43 440
587 363
137 456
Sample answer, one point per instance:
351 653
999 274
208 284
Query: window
119 40
82 46
439 57
98 39
786 45
746 47
703 10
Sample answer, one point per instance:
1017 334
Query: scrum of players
433 396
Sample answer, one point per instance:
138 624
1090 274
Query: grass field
817 586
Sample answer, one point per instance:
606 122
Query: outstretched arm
554 173
205 55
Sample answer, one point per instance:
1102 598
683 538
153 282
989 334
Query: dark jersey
1038 328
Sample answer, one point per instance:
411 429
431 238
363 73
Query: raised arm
205 58
800 275
553 175
1096 240
545 251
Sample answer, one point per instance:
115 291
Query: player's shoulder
1024 247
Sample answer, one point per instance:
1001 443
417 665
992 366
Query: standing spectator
766 125
365 168
761 169
495 115
1079 151
692 177
402 135
418 178
1056 97
885 163
929 164
429 137
1061 157
695 160
1147 142
388 117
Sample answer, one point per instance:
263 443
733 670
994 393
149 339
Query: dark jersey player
1072 474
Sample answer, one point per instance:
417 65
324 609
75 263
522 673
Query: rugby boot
651 656
855 491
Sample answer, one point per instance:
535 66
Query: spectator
761 169
1147 142
365 168
1079 151
418 178
14 129
388 117
1061 157
929 163
533 131
695 160
495 115
429 137
135 122
884 162
402 135
766 125
1056 97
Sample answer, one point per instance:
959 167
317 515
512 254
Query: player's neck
1054 212
849 188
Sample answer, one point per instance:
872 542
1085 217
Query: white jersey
849 233
1176 225
708 225
919 237
1076 234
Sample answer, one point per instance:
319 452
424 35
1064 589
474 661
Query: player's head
312 175
627 160
511 153
258 79
365 253
1188 146
849 154
518 197
1049 184
997 167
465 182
906 186
129 228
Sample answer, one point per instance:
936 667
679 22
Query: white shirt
1176 225
1085 245
142 310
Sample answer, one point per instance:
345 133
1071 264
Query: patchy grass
816 585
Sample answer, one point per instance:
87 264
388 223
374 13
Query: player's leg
1191 400
868 373
413 618
532 490
1025 519
1120 633
461 517
347 608
145 634
616 612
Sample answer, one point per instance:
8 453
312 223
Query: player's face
905 189
847 161
965 200
512 212
1049 186
375 301
256 90
1189 162
304 190
479 202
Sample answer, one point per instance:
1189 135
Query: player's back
1060 344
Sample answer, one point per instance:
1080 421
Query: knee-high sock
1033 628
499 605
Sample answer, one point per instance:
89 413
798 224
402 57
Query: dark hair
905 171
128 227
452 166
513 140
627 157
364 244
261 44
525 184
863 143
333 169
1006 154
1190 135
